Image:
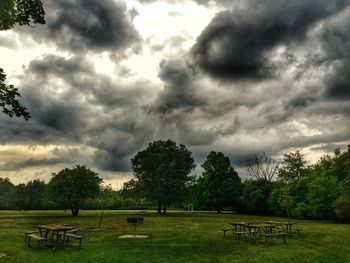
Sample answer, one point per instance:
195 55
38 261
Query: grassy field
178 237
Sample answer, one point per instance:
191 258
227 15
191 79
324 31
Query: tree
220 184
256 196
292 167
29 196
21 12
262 166
70 187
7 190
162 171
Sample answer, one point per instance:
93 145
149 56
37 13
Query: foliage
292 167
162 171
220 186
29 196
342 207
262 166
70 187
21 12
9 99
255 197
7 190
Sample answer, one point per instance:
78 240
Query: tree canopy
220 184
70 187
293 167
21 12
162 171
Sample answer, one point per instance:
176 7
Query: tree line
163 177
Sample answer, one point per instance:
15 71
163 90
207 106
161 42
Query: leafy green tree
341 165
7 190
162 171
220 184
21 12
9 99
323 191
29 196
292 167
286 201
256 196
342 206
70 187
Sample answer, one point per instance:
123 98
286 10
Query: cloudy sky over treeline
104 78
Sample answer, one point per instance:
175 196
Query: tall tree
220 184
293 167
21 12
70 187
7 190
162 171
262 166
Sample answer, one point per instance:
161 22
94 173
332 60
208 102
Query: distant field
178 237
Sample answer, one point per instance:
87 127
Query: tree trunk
159 206
218 209
75 211
164 208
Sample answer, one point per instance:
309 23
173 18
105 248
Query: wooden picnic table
258 228
287 225
54 234
238 225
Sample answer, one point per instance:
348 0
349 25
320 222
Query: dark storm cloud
335 41
237 44
73 104
338 85
86 25
179 92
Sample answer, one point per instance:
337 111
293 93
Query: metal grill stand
135 221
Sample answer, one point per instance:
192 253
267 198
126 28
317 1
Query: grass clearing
178 237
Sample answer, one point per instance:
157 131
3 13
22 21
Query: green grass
179 237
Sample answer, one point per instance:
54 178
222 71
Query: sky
102 79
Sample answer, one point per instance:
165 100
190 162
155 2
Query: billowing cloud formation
87 25
263 76
238 44
72 104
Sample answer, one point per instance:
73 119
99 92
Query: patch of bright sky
303 129
158 22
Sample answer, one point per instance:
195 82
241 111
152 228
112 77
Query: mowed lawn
177 237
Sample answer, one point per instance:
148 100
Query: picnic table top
55 227
238 223
279 223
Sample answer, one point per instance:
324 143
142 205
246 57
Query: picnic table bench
269 236
73 236
41 240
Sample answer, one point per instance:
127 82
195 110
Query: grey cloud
335 41
98 25
86 25
236 44
13 166
59 156
179 92
8 43
338 84
71 103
